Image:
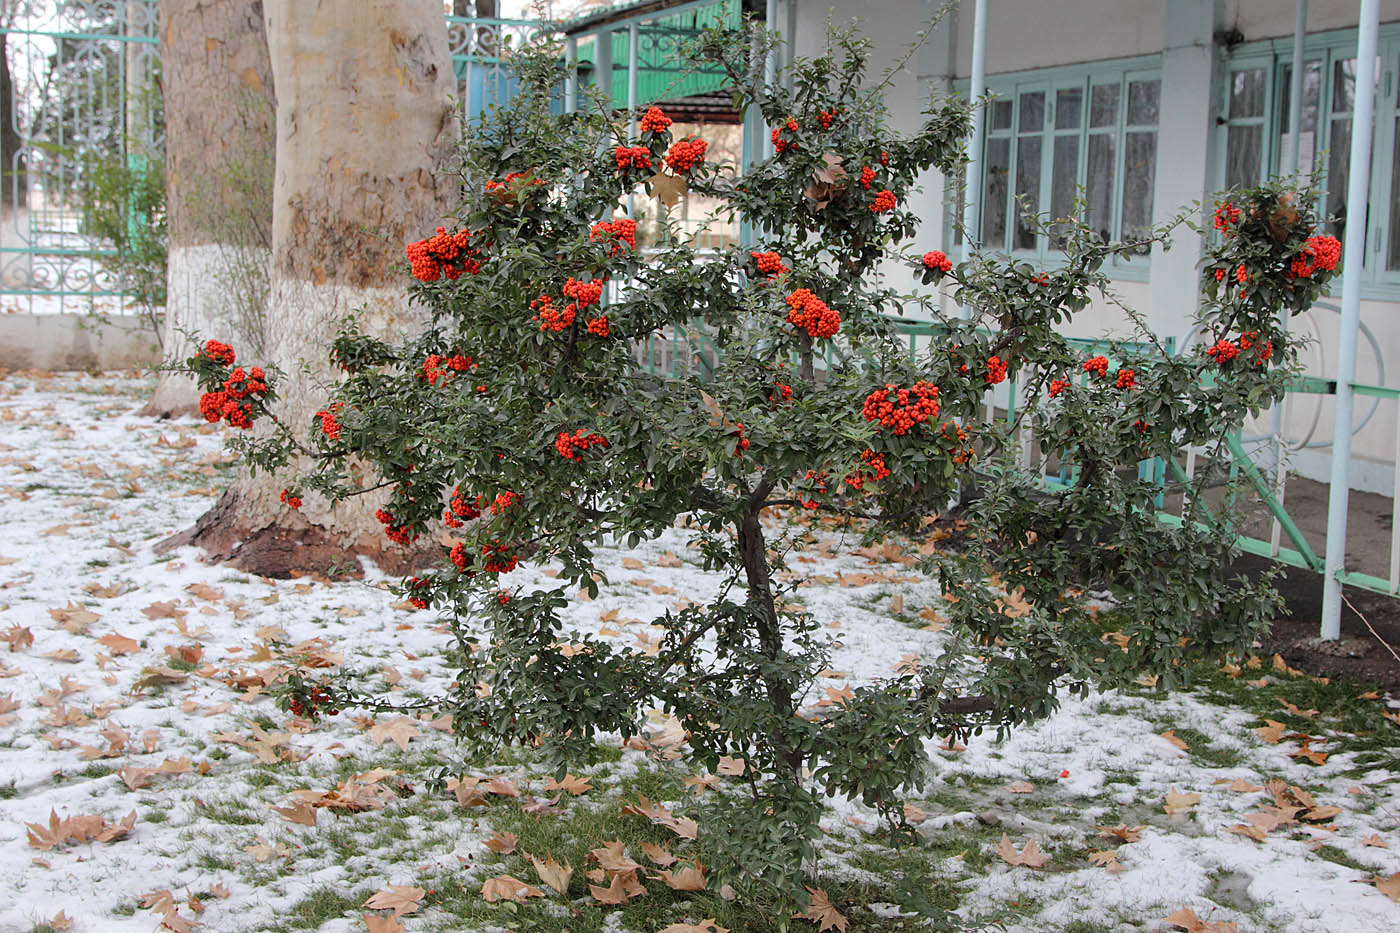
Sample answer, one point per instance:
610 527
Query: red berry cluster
901 409
622 231
684 154
329 426
290 499
769 263
585 293
1097 364
416 598
1042 280
1226 215
827 117
957 435
459 510
1057 386
436 367
443 255
1318 252
873 471
818 487
310 706
1241 274
937 260
399 534
502 501
779 144
499 558
629 157
220 353
810 313
867 175
1127 379
782 392
1226 350
884 201
743 443
654 121
884 157
493 185
598 326
996 370
569 445
549 318
229 403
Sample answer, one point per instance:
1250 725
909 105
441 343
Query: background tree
219 137
366 130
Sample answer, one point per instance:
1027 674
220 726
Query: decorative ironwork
83 74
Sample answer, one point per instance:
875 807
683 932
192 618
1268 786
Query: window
1254 134
1067 136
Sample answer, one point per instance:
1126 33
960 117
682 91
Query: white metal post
1358 183
770 64
1294 164
633 32
571 74
972 188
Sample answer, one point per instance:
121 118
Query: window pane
1142 102
1098 186
1307 134
1338 164
1393 253
994 196
1069 108
1103 105
1001 114
1247 93
1032 111
1343 85
1243 148
1027 189
1064 179
1139 175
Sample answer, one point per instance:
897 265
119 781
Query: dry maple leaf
688 878
552 873
1121 831
400 898
612 856
659 855
1030 856
1241 786
506 888
1021 787
1187 920
571 783
374 923
704 926
731 767
302 813
820 911
1375 840
1171 736
623 887
1390 886
1305 713
401 730
1177 802
1271 732
61 921
19 637
119 644
502 843
1106 859
74 618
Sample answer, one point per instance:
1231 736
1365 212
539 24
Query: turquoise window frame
1008 86
1326 48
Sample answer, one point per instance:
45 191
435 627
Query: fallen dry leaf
1171 736
552 873
1187 920
401 730
506 888
1272 732
1375 840
1390 886
119 644
659 855
1030 856
400 898
572 784
1177 802
1121 831
1106 859
374 923
618 891
502 843
821 912
704 926
1021 787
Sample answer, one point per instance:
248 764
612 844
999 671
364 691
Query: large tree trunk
14 168
220 130
365 129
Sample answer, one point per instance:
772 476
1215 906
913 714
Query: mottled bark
14 170
220 133
365 129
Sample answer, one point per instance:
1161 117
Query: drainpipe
973 187
770 64
633 32
571 74
1358 182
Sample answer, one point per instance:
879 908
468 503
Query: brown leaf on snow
821 912
502 843
1241 786
1272 732
19 637
400 898
74 618
400 730
1390 886
612 857
1106 859
374 923
119 644
731 767
1121 831
79 829
1305 713
571 783
1177 802
1171 736
1021 787
1375 840
506 888
704 926
552 873
1030 856
1187 920
61 921
299 812
162 610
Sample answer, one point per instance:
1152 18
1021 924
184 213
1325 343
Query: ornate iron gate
83 99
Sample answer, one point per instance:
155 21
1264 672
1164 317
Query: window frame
1009 87
1325 48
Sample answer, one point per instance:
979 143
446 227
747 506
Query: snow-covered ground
134 682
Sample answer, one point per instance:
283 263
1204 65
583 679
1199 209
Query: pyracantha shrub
548 438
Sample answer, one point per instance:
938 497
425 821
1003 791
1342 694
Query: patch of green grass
210 861
322 906
156 816
1338 857
1199 746
97 770
229 813
8 791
